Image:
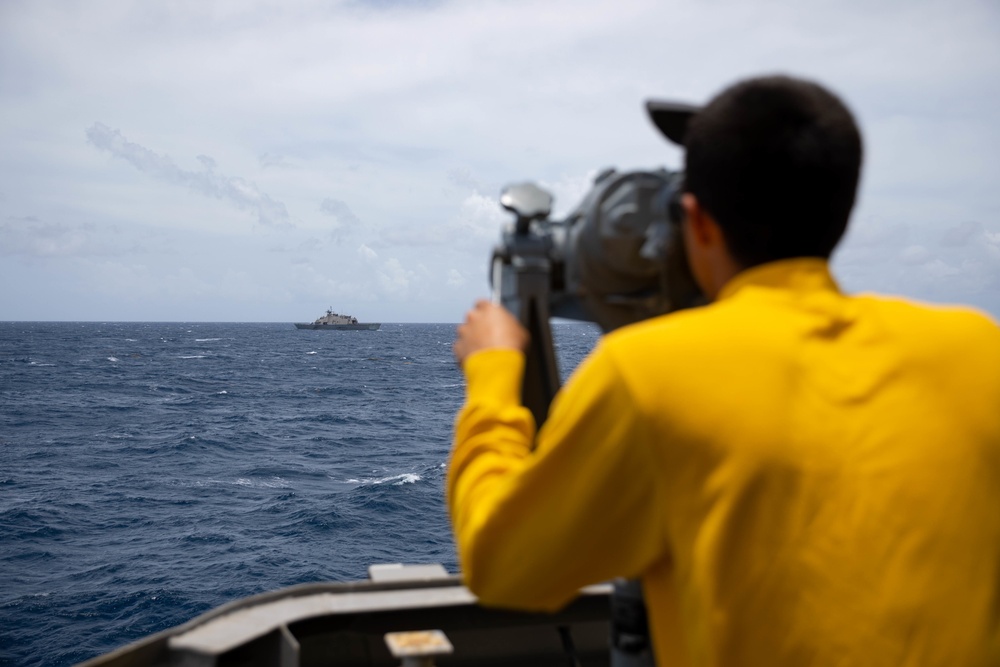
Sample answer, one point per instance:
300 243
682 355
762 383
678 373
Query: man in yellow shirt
797 476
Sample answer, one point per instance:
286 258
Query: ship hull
371 326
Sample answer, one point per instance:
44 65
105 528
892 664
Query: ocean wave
273 483
128 486
392 480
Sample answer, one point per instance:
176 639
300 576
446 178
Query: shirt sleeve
532 527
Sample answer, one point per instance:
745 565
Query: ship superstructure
332 321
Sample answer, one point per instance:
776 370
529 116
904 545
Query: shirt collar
802 274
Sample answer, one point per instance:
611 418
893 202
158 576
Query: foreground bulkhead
346 624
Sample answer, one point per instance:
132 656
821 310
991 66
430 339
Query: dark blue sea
150 472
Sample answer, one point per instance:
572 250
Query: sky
262 160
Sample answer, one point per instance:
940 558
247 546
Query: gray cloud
28 236
462 177
271 160
960 263
963 234
238 191
341 211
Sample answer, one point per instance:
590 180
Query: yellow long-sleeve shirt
799 478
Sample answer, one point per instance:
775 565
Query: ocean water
152 471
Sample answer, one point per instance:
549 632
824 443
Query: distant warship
335 322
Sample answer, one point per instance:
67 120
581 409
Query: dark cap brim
671 118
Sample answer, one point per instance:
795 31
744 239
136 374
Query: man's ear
708 252
701 225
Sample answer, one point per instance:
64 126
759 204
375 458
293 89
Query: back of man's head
775 161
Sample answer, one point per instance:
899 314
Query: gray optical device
616 259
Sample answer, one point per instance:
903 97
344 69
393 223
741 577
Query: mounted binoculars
616 259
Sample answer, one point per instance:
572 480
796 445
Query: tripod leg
541 372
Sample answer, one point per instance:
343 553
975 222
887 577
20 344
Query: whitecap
112 358
273 483
192 356
222 392
313 352
394 480
206 340
408 478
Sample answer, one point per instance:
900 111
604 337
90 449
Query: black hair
775 161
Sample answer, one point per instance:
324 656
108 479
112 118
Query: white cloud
473 228
480 217
568 192
394 278
455 278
